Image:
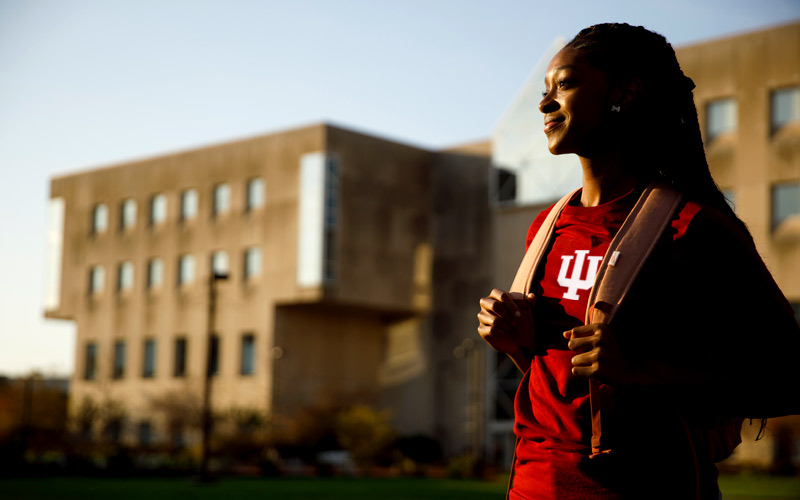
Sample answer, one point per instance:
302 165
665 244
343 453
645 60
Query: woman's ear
627 93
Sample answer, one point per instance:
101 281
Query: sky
87 83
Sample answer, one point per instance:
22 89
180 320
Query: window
127 214
248 354
317 219
119 359
222 199
99 218
97 277
158 209
180 358
185 270
730 198
219 262
785 107
155 273
90 362
188 204
149 368
113 430
145 433
785 201
255 193
721 117
252 263
125 276
213 355
176 434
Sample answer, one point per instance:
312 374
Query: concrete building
350 262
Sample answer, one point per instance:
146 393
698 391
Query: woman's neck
605 179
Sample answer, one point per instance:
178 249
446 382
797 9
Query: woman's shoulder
536 224
703 222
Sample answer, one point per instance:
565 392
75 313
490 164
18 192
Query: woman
703 338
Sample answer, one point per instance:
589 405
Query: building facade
330 241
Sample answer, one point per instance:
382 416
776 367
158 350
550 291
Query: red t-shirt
553 418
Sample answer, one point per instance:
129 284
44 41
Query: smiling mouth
552 123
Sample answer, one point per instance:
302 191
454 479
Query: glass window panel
180 357
100 218
155 273
730 198
119 359
255 193
149 367
186 270
96 279
189 204
158 209
785 107
213 355
145 432
219 262
721 117
785 201
222 198
128 214
252 262
90 362
125 277
248 354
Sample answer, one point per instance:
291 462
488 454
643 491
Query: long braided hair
667 143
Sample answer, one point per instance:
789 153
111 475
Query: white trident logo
575 282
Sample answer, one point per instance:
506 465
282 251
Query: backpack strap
538 247
527 269
624 259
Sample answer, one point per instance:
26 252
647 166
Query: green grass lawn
744 487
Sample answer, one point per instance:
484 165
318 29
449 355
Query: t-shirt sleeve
535 225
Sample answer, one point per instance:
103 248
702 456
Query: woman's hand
599 356
506 320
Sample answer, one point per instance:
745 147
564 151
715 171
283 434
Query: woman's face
576 105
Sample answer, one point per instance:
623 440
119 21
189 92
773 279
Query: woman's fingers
505 303
598 355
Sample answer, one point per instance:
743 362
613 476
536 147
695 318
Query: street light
212 309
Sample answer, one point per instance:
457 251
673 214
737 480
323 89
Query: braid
666 132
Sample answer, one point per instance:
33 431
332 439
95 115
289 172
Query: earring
615 109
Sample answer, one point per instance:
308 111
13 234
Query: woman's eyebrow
561 68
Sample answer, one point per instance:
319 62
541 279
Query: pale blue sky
85 83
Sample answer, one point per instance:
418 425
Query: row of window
189 201
722 113
180 351
145 434
186 270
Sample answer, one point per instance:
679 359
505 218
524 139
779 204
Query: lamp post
474 409
212 309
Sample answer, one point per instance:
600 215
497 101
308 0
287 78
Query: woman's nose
547 103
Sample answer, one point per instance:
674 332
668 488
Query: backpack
625 257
